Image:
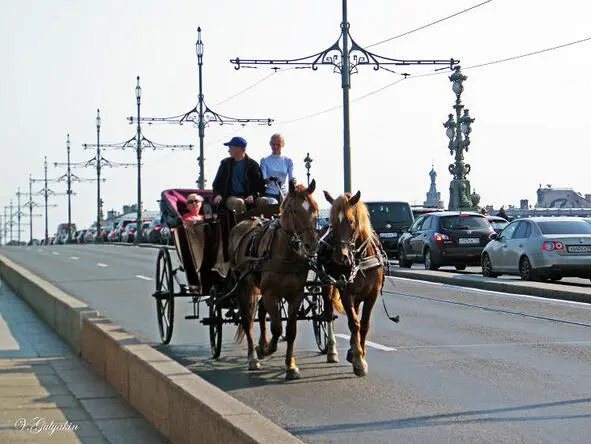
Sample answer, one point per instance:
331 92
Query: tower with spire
433 196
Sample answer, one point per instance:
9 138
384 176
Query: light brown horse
351 253
276 267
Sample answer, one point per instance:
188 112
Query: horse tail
252 306
335 299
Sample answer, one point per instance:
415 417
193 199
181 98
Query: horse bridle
295 238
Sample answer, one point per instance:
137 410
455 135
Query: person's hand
249 200
217 200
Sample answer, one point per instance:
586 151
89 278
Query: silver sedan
540 248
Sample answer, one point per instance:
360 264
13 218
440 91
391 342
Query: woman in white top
278 166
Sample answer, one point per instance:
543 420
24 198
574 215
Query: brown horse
273 260
351 254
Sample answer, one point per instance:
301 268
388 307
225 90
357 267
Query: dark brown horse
351 253
273 260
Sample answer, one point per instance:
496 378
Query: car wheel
428 259
403 261
460 267
525 270
487 269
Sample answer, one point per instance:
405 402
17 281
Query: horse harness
260 261
360 261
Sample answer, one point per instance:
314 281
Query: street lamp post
344 60
308 164
138 97
46 192
99 237
458 131
70 177
201 115
18 215
98 161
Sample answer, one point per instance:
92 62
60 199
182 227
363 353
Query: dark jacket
503 215
254 186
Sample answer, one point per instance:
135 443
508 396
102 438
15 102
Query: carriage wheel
320 326
215 325
165 295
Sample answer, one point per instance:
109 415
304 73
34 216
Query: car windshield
464 222
394 213
564 227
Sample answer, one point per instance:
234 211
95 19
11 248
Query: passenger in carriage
239 181
276 166
194 204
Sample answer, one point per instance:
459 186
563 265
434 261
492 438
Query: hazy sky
62 60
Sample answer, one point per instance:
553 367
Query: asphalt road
462 366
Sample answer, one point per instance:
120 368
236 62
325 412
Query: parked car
129 234
390 220
89 235
142 233
445 238
166 236
119 237
540 248
498 223
81 236
153 232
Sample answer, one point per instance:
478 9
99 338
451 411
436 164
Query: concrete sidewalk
48 394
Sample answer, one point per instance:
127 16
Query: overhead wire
430 24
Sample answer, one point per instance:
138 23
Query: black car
153 232
445 238
389 220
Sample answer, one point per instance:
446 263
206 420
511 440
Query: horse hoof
350 356
254 365
259 351
332 358
292 374
360 371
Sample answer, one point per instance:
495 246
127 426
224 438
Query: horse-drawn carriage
203 274
276 265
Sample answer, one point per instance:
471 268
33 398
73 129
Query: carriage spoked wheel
164 295
319 324
215 324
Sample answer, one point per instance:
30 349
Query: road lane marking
55 253
100 264
368 343
74 258
145 278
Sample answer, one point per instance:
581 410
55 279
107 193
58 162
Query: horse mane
357 213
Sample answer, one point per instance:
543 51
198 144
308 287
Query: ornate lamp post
70 177
308 164
201 115
345 56
458 131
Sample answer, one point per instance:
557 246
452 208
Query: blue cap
237 141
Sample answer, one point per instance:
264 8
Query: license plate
388 235
579 248
469 241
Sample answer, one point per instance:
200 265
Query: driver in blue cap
239 180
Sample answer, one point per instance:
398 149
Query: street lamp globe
98 118
68 143
466 122
199 44
457 87
138 90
